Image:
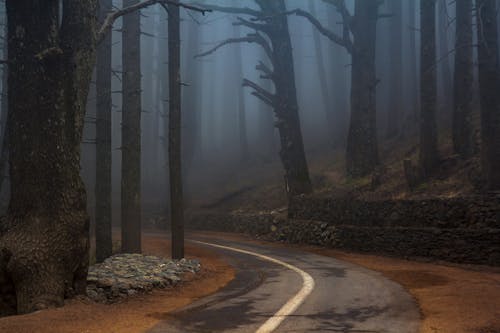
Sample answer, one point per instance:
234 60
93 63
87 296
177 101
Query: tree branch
113 16
268 73
260 92
250 38
230 10
344 40
256 26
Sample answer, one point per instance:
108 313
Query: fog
212 147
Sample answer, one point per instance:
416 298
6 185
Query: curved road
278 289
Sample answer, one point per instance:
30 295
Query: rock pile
124 275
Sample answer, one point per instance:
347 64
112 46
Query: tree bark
174 135
325 95
414 79
131 132
446 76
362 147
104 243
489 84
4 138
44 237
463 134
396 75
292 152
428 155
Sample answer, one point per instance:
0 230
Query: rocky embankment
461 230
124 275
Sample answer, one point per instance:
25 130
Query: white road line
293 303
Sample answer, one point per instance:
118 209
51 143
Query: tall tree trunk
104 243
267 141
4 138
325 95
463 134
292 152
131 132
191 99
446 81
396 75
174 135
414 101
242 124
428 158
362 148
489 82
44 238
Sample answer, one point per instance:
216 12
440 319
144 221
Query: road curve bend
278 289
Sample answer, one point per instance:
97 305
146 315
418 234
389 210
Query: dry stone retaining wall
465 230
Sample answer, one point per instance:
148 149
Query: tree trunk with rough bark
415 101
4 139
131 132
489 85
292 152
463 133
396 75
44 237
362 147
325 95
174 135
428 155
443 66
104 243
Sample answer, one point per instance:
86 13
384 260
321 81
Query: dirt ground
451 299
135 314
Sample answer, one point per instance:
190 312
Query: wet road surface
342 298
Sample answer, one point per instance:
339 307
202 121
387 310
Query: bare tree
396 74
463 134
131 131
428 155
174 133
362 147
489 82
273 24
104 243
44 237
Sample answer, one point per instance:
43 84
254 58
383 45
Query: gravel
124 275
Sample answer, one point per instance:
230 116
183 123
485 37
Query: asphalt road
296 292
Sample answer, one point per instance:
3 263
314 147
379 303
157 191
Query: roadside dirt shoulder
135 314
452 299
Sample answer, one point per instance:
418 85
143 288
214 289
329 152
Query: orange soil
135 314
452 299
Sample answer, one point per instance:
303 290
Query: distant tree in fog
272 34
362 149
463 133
489 82
395 111
428 149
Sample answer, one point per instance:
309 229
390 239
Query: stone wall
463 230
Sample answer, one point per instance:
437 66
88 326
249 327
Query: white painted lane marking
293 303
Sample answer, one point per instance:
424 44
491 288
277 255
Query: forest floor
258 185
134 314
